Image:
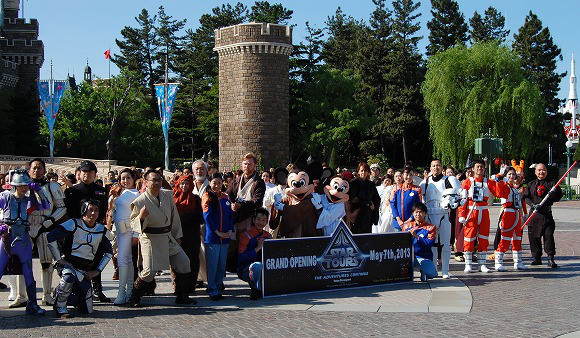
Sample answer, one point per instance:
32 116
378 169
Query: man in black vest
84 190
542 225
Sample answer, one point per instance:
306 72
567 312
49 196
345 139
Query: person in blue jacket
423 240
250 252
219 227
404 199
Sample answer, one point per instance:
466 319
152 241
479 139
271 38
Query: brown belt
157 231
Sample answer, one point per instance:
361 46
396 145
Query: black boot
551 262
149 288
256 294
181 290
138 289
98 295
536 261
32 307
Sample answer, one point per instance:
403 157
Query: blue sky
74 30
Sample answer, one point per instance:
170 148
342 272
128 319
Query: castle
21 53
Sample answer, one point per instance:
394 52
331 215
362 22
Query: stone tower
253 93
20 49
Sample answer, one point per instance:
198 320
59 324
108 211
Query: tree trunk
404 151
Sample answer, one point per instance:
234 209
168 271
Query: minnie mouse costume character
332 204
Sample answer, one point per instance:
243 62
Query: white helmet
451 199
19 177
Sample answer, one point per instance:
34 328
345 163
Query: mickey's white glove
317 201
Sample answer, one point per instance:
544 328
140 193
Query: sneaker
484 269
460 258
18 302
468 269
423 277
445 276
536 261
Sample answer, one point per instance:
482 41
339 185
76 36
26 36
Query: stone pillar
253 93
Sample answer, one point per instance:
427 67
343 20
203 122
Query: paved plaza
539 302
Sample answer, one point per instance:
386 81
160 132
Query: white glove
462 220
47 223
317 201
502 170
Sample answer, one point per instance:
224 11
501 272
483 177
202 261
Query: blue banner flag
50 104
166 108
165 102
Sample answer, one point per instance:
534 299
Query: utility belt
157 231
80 263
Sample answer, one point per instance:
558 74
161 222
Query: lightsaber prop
551 191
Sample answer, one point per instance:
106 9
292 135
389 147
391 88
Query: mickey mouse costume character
331 204
297 215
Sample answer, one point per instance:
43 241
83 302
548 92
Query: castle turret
253 92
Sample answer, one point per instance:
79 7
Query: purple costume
15 241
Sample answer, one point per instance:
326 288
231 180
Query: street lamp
569 145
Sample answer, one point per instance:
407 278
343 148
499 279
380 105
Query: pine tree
168 42
403 117
195 118
488 28
137 51
535 46
262 11
341 47
447 27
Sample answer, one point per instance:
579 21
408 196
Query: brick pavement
540 302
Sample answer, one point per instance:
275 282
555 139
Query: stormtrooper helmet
451 199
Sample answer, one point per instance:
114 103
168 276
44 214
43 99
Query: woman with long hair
120 201
364 200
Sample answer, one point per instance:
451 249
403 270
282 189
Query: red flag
107 54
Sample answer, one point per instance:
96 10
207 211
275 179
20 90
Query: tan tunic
156 249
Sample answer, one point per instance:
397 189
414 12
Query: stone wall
253 93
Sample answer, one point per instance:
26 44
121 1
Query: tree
402 114
137 51
262 11
169 43
114 110
534 44
470 90
334 115
195 117
340 49
447 27
488 28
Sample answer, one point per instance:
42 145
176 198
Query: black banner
340 261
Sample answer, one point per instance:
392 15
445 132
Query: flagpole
51 95
166 87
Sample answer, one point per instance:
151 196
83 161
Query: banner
165 104
51 104
340 261
165 110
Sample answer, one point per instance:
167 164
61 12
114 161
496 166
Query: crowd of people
200 224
